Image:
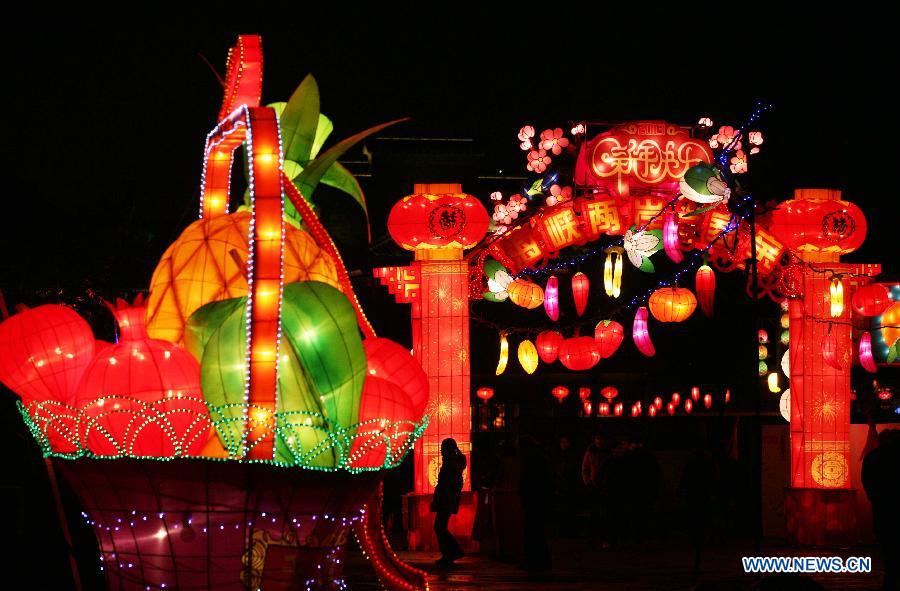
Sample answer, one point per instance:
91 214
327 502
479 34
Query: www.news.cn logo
807 564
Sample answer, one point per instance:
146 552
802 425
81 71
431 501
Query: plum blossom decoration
525 135
538 161
558 195
553 141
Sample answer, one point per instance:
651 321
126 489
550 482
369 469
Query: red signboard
645 154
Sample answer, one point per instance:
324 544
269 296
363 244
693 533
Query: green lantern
321 368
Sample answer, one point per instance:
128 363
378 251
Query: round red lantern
871 300
707 400
584 393
560 393
817 222
579 353
485 393
672 304
547 344
609 392
445 220
609 335
581 287
385 416
389 360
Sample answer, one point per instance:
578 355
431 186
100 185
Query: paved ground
651 567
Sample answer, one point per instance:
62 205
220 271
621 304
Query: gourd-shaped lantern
581 288
141 397
871 300
819 224
579 353
560 393
548 343
609 334
705 283
551 298
672 304
525 293
528 356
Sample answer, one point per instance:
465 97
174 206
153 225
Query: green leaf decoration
340 178
324 127
893 352
278 107
647 265
700 211
300 121
491 266
292 169
489 296
536 187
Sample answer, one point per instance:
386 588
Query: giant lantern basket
232 438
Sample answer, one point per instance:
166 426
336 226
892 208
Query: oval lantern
579 353
603 409
865 353
658 402
609 392
618 408
890 320
871 300
609 334
612 271
670 408
44 351
830 352
389 360
707 400
688 405
528 356
640 334
676 398
560 393
695 393
485 393
548 343
584 393
587 407
431 221
705 284
671 243
836 294
652 411
672 304
581 288
551 298
818 223
525 293
503 359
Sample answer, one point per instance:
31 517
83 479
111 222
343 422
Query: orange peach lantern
526 294
672 304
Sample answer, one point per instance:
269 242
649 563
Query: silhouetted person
881 480
534 492
565 484
447 495
593 474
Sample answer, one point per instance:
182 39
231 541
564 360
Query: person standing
593 473
881 481
447 495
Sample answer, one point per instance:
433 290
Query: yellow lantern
504 354
774 388
837 298
612 271
525 293
528 356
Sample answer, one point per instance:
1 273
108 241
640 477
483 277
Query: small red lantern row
485 393
560 393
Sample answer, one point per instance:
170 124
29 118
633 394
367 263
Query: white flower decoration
639 246
498 285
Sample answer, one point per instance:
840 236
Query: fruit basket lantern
234 435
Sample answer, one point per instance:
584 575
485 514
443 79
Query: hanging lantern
658 402
830 351
485 393
727 396
785 337
548 343
504 354
772 380
584 393
609 335
635 410
609 392
640 334
695 393
785 321
676 398
865 353
528 357
890 320
837 297
688 405
817 222
525 293
618 408
763 368
763 352
652 411
438 221
705 284
670 408
612 271
579 353
603 409
560 393
587 407
871 300
707 400
551 298
581 287
670 237
762 336
672 304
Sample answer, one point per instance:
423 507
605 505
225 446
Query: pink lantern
581 287
551 298
640 334
670 237
865 353
547 344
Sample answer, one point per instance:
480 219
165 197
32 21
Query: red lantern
818 221
548 343
618 408
385 415
609 335
871 300
695 393
688 406
581 287
672 304
671 408
584 393
652 411
485 393
707 400
640 334
388 360
830 352
587 407
551 298
603 409
579 353
448 220
727 396
658 402
44 351
705 284
560 393
609 392
635 410
865 353
141 396
676 398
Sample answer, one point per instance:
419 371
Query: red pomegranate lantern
705 284
581 287
609 335
609 392
818 223
579 353
389 360
560 393
548 343
44 351
672 304
485 393
141 397
584 393
871 300
430 221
